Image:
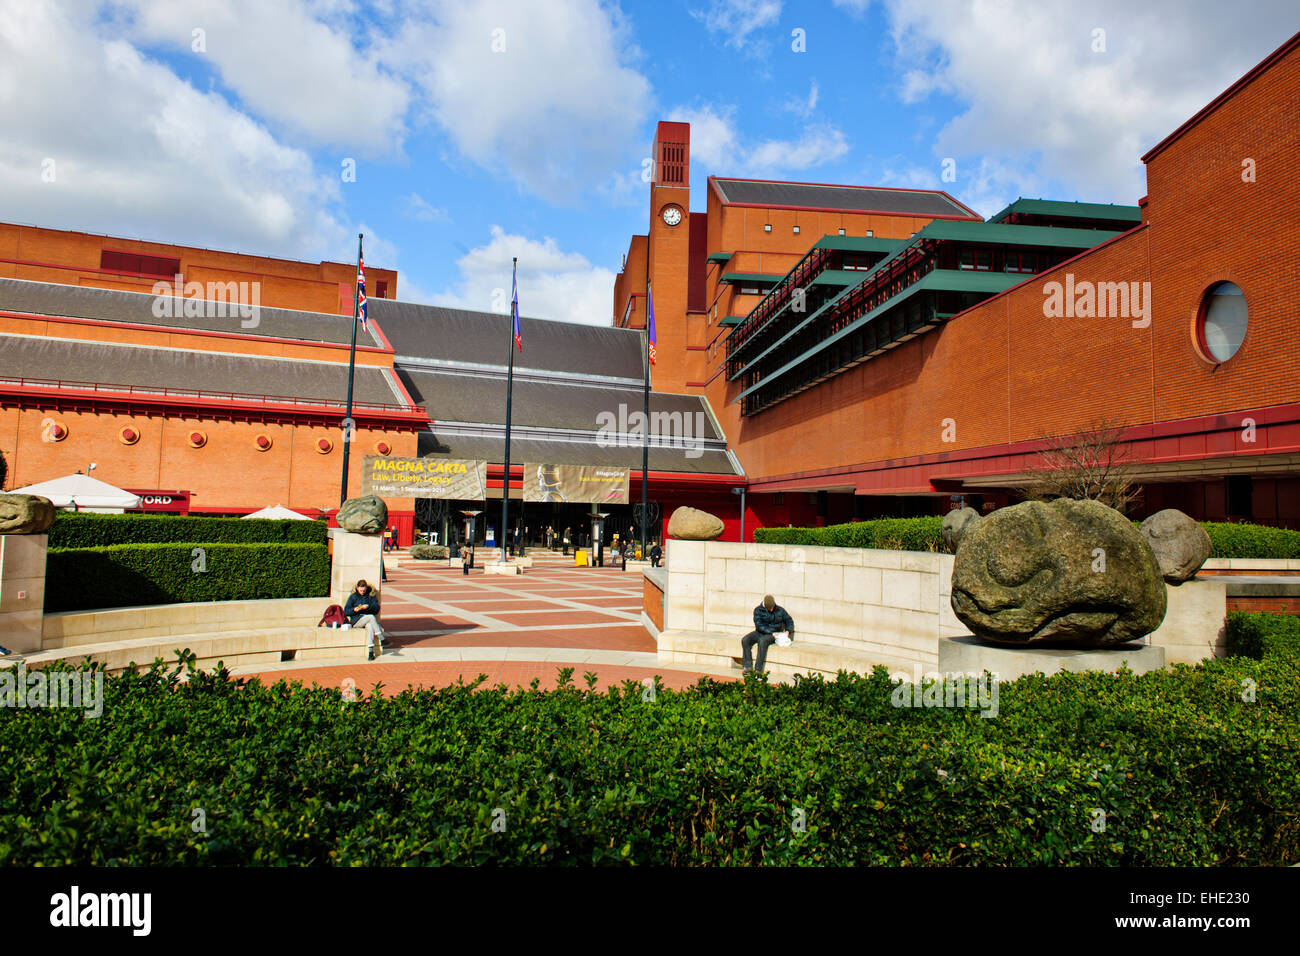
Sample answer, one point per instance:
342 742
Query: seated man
362 610
769 618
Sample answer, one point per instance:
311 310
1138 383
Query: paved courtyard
444 626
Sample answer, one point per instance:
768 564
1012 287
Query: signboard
599 484
423 478
153 500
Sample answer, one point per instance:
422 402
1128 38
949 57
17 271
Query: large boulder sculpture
691 524
364 515
1180 544
25 514
956 524
1063 573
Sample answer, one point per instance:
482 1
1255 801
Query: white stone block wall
893 603
22 590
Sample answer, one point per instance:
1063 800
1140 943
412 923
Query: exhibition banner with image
598 484
424 478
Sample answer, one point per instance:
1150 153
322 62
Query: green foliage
428 552
1187 770
126 575
893 534
1232 540
1261 635
925 534
84 530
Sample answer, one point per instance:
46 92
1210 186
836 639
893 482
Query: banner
423 478
598 484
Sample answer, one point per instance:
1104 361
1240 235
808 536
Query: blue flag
650 323
514 309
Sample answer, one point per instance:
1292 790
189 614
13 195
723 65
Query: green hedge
82 530
1229 540
1251 540
1187 772
124 575
428 552
894 534
1260 635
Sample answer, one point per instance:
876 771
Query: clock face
672 215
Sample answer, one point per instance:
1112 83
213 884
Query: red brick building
938 370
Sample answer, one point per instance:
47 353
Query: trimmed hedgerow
83 530
1231 540
428 552
893 534
1186 768
127 575
1261 635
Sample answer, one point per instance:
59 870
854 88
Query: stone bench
715 649
235 647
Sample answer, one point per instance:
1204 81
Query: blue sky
486 129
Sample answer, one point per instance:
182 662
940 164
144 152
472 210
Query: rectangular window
749 290
870 233
796 230
767 227
778 498
381 289
841 232
136 263
978 259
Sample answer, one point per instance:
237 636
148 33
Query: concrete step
714 649
251 646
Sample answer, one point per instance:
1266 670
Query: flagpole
645 431
510 385
349 429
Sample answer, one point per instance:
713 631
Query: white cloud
137 151
285 64
717 144
1032 84
553 284
417 207
737 20
540 92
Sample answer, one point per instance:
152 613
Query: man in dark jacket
656 554
769 618
362 610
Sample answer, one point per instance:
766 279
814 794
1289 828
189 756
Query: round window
1223 321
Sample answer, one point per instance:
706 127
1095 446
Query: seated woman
362 610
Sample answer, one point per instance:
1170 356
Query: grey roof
483 338
572 453
915 202
109 305
467 397
183 372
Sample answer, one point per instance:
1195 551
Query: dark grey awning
108 305
454 397
572 453
913 202
180 371
484 338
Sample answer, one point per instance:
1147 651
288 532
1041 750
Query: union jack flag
361 292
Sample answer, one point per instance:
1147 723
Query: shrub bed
1251 540
1261 635
428 552
925 534
894 534
82 530
1185 771
125 575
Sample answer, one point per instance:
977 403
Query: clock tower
668 252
